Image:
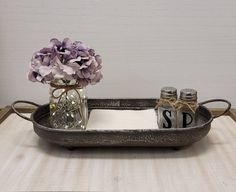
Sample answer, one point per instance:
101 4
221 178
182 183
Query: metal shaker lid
168 92
188 95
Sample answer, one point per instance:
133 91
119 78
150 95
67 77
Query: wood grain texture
4 113
29 164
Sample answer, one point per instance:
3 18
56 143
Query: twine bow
66 89
192 105
170 101
177 104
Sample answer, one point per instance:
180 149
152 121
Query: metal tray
173 137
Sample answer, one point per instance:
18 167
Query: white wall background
145 45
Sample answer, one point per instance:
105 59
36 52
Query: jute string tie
66 89
192 105
177 104
161 101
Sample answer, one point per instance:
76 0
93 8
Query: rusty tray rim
7 110
50 129
125 138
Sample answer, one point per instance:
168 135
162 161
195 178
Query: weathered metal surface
174 137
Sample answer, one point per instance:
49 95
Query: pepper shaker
186 108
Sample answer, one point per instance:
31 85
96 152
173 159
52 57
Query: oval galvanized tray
174 137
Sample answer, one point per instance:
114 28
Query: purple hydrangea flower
66 61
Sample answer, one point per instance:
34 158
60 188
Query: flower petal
80 46
32 76
74 66
98 59
55 42
97 78
83 67
68 70
39 78
44 70
74 60
91 52
67 43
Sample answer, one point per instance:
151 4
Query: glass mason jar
68 106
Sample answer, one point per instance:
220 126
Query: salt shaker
166 114
186 108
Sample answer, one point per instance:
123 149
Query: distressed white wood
30 164
145 44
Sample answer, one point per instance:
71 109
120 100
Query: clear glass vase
68 106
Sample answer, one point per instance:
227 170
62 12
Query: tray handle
18 113
218 100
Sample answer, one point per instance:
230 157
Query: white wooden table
30 164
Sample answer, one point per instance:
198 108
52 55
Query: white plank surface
145 44
29 164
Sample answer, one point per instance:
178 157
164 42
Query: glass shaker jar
186 108
166 113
